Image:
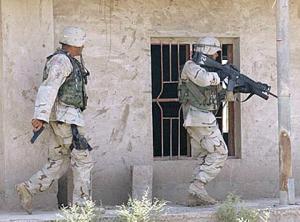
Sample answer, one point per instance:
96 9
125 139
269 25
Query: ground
174 213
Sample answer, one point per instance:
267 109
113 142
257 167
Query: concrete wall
118 53
255 175
27 37
118 27
119 111
295 92
2 159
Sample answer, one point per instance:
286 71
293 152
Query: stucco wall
119 111
118 48
295 92
118 118
27 37
255 175
2 159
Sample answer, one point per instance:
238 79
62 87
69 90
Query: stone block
142 178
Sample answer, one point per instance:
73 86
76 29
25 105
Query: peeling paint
285 159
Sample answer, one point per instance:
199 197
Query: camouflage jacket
47 105
198 75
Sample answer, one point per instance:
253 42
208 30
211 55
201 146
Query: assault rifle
237 82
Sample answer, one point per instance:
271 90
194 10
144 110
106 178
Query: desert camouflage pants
59 159
209 148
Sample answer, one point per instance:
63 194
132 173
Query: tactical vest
72 91
204 98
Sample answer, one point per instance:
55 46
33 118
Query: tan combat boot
198 195
25 197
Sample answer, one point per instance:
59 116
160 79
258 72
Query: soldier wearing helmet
199 93
60 101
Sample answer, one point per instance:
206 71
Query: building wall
27 37
2 159
295 92
118 52
118 118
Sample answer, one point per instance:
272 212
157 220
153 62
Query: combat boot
198 195
25 197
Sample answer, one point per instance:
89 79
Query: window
170 139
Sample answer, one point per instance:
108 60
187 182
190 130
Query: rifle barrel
273 95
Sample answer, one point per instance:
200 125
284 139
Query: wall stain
27 95
133 38
124 39
136 58
101 111
117 134
134 76
126 99
129 147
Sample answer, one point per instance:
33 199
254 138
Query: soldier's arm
199 75
58 68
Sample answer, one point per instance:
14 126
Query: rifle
237 82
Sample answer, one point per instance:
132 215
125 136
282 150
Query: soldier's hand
215 79
222 75
37 124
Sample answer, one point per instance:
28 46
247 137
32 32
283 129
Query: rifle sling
248 97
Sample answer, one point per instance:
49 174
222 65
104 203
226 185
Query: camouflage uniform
60 116
207 143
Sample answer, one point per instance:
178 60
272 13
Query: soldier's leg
82 164
198 153
212 153
57 164
211 140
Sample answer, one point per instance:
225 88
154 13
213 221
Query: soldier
60 100
199 93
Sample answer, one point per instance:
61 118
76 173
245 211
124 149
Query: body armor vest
204 98
72 91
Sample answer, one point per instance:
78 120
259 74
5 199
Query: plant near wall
88 212
143 210
232 211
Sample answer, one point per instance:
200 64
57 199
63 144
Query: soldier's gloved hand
215 79
37 124
222 75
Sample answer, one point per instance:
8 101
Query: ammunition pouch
204 98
